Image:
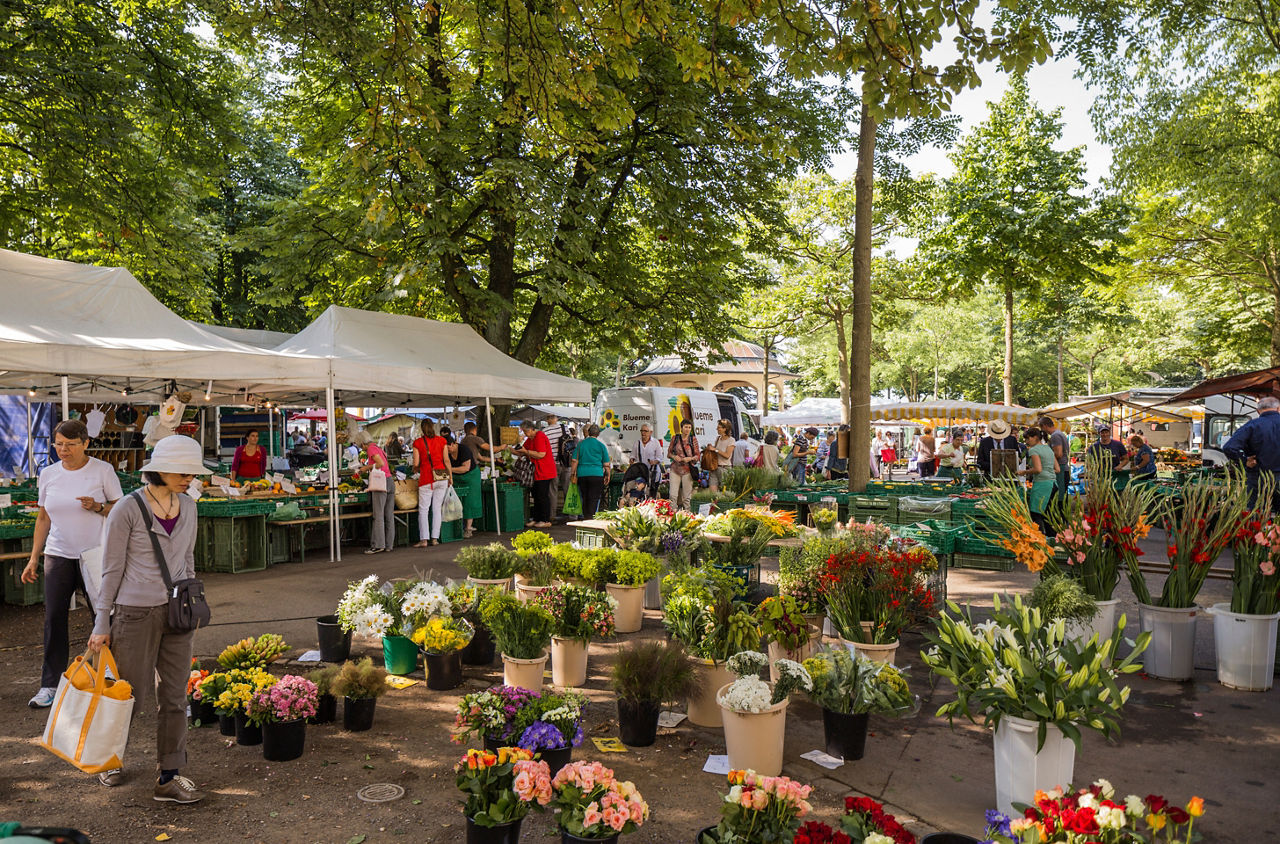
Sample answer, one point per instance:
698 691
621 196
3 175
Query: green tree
1015 213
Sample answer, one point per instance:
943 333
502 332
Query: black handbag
188 609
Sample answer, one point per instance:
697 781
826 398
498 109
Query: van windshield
748 428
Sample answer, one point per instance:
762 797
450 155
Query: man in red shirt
537 448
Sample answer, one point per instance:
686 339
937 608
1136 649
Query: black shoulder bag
188 609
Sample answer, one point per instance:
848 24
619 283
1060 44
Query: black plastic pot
357 713
948 838
444 671
246 733
335 643
480 650
492 744
570 838
507 833
706 835
638 722
202 714
326 710
284 741
845 735
557 758
226 725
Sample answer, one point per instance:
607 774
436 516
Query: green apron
473 498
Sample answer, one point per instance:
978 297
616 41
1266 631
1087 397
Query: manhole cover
380 792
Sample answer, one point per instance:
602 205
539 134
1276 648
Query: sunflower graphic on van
609 419
681 409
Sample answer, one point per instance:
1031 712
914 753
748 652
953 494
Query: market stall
947 413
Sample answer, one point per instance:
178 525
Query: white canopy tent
810 411
953 413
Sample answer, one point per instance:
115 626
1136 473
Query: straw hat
998 428
178 455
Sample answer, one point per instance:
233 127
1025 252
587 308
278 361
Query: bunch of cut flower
502 786
1255 588
1094 816
850 684
748 533
1006 505
866 821
590 802
759 809
578 612
443 635
510 715
641 528
288 699
751 694
883 588
240 685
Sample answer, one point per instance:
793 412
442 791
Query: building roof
747 358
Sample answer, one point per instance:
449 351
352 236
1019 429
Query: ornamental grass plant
488 562
1019 663
360 680
652 672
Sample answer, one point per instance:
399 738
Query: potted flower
211 689
464 599
535 571
645 675
702 614
785 628
849 687
866 820
442 639
281 711
360 684
630 572
1031 682
1245 630
500 788
1198 531
758 808
1059 816
498 716
522 633
592 805
578 614
866 611
554 727
800 571
326 703
335 635
488 565
200 712
755 715
241 686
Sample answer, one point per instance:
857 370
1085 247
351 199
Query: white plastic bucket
1246 646
1020 770
1172 652
1104 623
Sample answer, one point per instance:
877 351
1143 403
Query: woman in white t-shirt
76 494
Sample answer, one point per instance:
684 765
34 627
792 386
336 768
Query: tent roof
104 330
1094 405
256 337
810 411
955 412
1260 382
386 360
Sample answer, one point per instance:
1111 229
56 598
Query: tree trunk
842 363
764 405
1007 377
860 375
1062 390
1275 325
987 372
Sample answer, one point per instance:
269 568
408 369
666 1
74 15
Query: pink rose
759 800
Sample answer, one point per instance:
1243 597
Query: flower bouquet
498 715
441 640
874 593
501 787
201 711
849 687
825 519
1094 816
554 726
590 802
816 832
866 821
759 810
281 712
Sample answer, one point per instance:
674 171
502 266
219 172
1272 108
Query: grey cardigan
130 573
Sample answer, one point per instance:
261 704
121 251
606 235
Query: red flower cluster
814 832
869 816
1157 805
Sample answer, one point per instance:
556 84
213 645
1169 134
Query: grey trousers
383 532
156 661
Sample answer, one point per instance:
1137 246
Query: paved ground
1178 739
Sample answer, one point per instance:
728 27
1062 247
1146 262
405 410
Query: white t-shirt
73 529
741 452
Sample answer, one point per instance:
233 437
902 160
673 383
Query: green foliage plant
851 684
782 621
538 568
1018 663
488 562
653 672
532 540
520 631
634 568
359 680
1060 596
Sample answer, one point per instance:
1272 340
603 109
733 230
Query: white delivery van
620 413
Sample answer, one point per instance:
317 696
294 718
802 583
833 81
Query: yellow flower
1195 807
1156 822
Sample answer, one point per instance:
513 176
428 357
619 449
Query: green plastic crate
18 593
982 561
877 508
232 507
278 544
452 531
17 531
940 538
510 515
918 508
232 544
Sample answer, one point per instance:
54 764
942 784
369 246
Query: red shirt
244 466
430 457
544 468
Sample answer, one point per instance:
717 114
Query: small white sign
288 487
219 480
670 719
310 656
399 476
817 757
277 478
717 764
704 510
195 489
123 464
323 477
6 500
235 492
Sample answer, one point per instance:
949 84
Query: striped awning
953 413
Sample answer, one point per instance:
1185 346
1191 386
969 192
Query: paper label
288 487
323 477
123 464
277 478
310 656
717 764
235 492
399 476
670 719
817 757
6 500
704 510
397 682
219 480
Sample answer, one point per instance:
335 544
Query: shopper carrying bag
88 722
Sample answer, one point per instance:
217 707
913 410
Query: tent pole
331 446
66 404
488 421
31 446
271 432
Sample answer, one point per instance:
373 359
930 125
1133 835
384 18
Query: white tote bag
91 571
86 727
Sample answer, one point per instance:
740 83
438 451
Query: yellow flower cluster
242 685
438 637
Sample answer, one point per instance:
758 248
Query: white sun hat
178 455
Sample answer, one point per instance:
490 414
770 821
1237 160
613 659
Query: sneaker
177 790
42 699
373 550
111 778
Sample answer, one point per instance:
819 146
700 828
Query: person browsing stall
537 448
684 454
1041 463
591 470
951 456
435 476
382 498
250 460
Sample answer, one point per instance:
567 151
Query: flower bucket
480 650
845 735
503 583
754 739
247 734
638 722
284 741
226 725
525 673
557 757
201 714
1246 646
525 592
399 655
630 613
569 838
800 655
444 671
326 710
507 833
1020 770
568 662
334 642
948 838
357 713
652 593
1172 652
875 653
1103 624
704 710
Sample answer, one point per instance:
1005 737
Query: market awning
1260 382
814 410
1093 407
953 412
